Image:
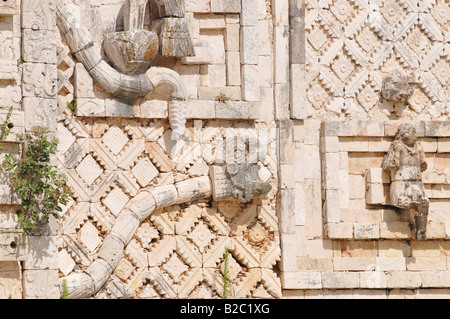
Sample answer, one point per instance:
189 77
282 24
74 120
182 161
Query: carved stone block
89 236
10 7
39 80
89 169
131 51
228 182
10 95
10 280
13 245
115 139
38 15
146 234
398 86
124 269
41 284
10 45
41 112
39 46
116 200
144 171
174 37
65 138
134 14
65 262
9 71
132 150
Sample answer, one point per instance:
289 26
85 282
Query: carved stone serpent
235 182
79 40
86 284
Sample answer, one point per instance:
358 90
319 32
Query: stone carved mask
398 86
240 182
245 182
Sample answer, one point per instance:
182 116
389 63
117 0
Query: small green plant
225 274
72 106
94 103
40 187
222 98
65 292
20 62
5 128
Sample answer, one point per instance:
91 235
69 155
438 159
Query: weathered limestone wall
358 240
348 241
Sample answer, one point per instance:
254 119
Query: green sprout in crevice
65 292
72 106
6 127
226 274
222 98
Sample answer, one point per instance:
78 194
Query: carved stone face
245 182
240 182
398 86
408 134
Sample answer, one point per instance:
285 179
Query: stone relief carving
39 46
405 162
172 28
398 86
237 181
125 48
38 15
132 50
39 80
143 205
156 214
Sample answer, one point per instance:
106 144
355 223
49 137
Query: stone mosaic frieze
351 46
177 250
